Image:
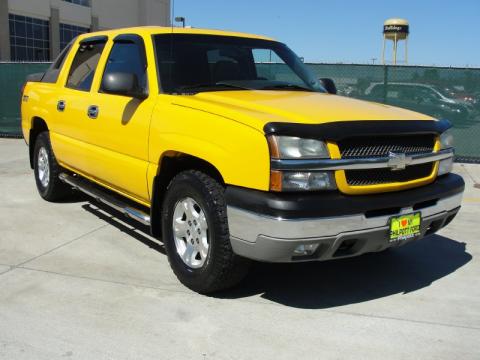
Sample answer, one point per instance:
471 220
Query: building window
79 2
69 32
29 38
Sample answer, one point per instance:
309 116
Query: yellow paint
471 200
123 148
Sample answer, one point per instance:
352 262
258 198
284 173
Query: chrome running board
84 186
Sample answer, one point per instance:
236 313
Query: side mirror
329 85
120 83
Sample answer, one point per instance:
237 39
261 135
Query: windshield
442 95
195 63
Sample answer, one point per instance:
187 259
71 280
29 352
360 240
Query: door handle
61 105
92 111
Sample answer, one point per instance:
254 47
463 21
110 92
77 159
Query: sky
442 32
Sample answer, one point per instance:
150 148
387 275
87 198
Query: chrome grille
381 146
386 175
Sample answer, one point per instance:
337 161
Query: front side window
190 63
84 65
128 57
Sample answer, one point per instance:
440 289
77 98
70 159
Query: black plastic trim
94 39
333 203
339 130
135 38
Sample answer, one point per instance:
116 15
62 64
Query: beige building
36 30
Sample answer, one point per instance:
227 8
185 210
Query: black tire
55 189
222 268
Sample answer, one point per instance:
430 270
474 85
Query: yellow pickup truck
229 149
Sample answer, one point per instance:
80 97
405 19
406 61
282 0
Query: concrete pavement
79 281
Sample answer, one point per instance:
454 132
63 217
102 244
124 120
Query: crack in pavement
20 265
9 267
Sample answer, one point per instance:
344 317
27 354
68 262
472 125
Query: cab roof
154 30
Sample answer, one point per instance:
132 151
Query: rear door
71 132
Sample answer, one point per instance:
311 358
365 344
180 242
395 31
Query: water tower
395 30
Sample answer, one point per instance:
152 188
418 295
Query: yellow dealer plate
405 227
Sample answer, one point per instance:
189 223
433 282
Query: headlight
295 148
446 140
289 147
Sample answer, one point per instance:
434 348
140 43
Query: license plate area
405 227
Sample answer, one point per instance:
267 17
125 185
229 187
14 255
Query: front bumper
269 227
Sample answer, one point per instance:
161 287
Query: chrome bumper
265 238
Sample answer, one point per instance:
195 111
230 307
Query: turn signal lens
445 166
275 180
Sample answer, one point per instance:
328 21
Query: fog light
445 166
305 249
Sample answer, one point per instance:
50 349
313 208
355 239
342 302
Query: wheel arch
38 126
172 163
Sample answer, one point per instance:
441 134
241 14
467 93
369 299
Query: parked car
470 100
418 97
228 159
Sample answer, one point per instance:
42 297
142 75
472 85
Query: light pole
180 19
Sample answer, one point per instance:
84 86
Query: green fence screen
451 93
445 93
12 77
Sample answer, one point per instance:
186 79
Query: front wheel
196 236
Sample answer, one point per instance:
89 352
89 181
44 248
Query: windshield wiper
184 89
286 87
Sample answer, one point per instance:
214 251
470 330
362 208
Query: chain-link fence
12 77
451 93
445 93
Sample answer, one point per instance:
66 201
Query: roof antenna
172 14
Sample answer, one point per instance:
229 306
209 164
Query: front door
119 123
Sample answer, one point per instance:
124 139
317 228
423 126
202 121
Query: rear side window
84 65
51 75
128 57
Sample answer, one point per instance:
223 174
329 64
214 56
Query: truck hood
257 108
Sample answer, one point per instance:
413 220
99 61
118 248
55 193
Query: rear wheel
196 236
47 170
